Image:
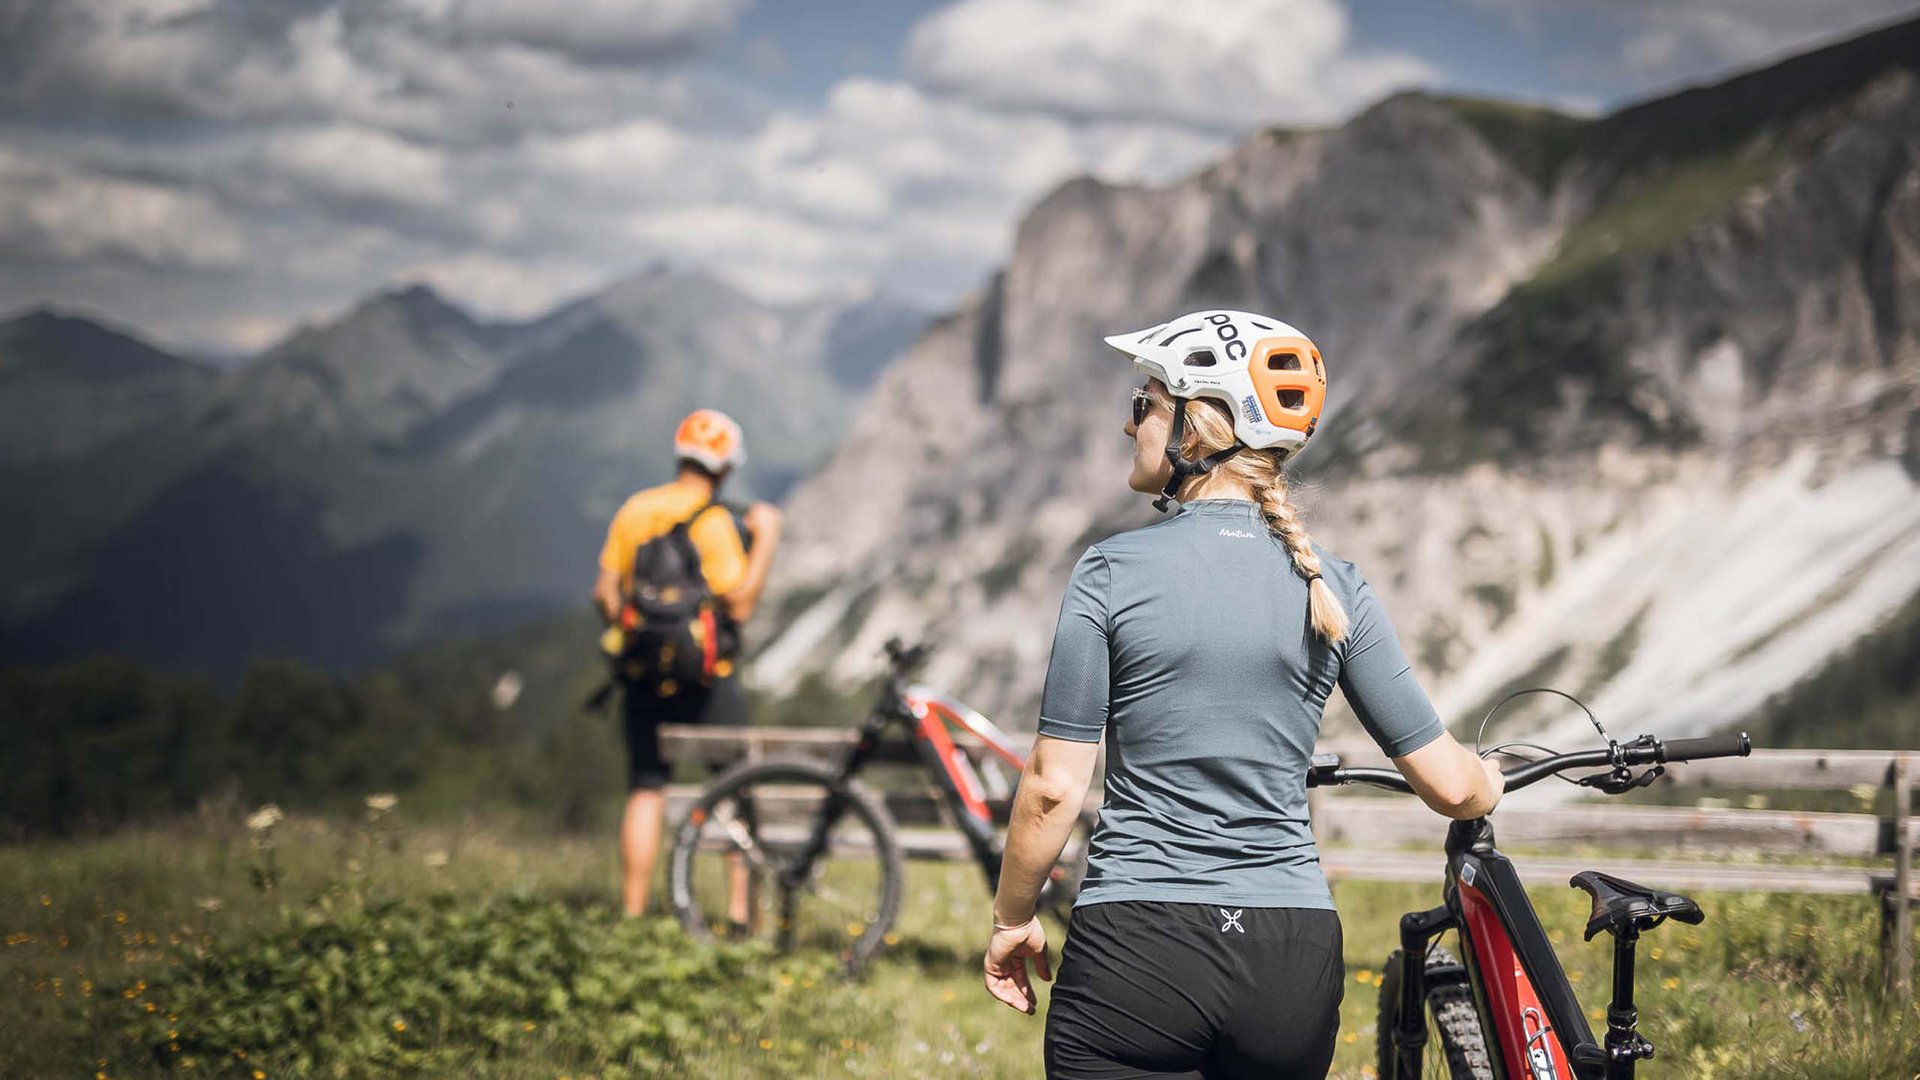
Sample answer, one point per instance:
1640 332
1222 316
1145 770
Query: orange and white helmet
711 438
1269 374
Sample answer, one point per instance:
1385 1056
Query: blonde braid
1329 618
1209 429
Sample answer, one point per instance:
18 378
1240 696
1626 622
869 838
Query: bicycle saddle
1619 904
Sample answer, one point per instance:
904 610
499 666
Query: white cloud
314 150
53 212
601 29
347 162
1224 65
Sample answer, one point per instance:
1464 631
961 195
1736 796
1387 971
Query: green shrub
421 986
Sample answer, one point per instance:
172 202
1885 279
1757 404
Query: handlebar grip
1710 747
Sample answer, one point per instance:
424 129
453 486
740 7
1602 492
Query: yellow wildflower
399 1025
1365 976
1670 984
766 1044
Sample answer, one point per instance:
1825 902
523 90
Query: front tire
1455 1041
750 827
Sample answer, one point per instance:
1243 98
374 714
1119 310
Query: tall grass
1770 986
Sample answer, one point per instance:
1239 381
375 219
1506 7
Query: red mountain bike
822 852
1505 1010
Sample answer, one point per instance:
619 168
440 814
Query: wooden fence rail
1372 838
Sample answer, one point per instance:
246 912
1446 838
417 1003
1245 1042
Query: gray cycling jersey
1187 643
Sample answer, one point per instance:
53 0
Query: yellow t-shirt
651 513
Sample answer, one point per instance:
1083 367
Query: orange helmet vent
1290 381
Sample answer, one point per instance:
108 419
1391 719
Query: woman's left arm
1052 788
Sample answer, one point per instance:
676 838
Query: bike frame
929 720
1538 1030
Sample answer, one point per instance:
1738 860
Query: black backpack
677 636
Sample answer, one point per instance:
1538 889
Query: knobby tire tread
1450 1002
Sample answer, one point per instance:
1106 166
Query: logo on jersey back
1232 920
1238 534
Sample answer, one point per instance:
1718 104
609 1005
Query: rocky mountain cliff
1629 406
397 475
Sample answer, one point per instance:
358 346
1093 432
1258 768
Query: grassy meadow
321 947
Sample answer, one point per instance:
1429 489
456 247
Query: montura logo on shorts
1237 534
1232 920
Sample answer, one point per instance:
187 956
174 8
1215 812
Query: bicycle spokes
786 863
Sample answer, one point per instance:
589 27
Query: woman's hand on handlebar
1496 780
1451 780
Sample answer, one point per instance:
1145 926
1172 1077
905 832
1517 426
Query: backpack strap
681 536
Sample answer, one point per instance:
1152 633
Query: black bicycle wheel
734 870
1456 1048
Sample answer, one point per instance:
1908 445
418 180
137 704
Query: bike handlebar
1646 750
903 657
1710 747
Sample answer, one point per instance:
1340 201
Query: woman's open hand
1007 954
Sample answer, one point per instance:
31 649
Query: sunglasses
1142 405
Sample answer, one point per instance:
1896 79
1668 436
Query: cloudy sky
211 172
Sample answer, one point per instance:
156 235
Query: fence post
1899 961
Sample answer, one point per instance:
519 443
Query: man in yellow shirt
708 445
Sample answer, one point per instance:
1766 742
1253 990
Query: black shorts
722 703
1196 990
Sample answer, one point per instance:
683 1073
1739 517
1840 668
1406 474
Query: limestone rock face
1626 406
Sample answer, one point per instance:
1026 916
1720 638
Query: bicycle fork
1417 931
835 805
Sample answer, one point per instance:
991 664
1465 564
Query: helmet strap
1183 468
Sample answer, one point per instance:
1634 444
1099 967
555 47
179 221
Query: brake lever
1621 780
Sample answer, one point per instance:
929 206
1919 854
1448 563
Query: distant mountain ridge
401 473
1627 405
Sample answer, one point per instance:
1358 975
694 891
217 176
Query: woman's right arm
1388 699
1451 780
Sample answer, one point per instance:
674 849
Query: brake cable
1616 780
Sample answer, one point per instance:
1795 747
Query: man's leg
640 846
646 810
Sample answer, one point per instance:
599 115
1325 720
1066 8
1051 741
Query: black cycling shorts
1196 990
722 703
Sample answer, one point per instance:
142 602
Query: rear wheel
1455 1048
740 866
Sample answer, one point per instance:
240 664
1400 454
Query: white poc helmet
1269 374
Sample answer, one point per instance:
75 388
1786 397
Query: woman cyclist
1203 648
